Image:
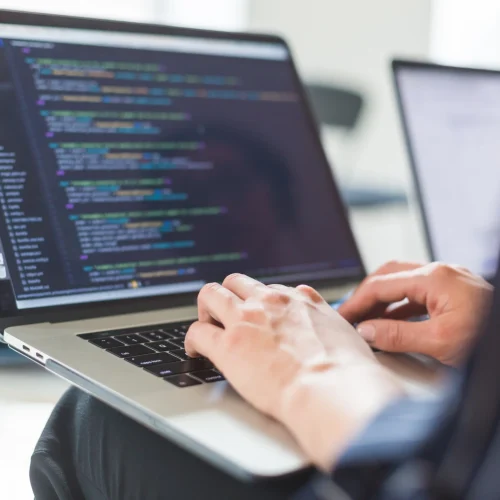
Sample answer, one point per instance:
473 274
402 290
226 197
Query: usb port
26 348
39 356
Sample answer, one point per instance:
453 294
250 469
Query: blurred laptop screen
452 119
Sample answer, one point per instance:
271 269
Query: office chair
341 108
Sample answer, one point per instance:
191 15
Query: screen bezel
126 306
403 64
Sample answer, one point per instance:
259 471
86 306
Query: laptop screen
136 165
452 119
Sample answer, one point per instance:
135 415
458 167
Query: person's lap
89 450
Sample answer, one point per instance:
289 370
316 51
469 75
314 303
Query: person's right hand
455 300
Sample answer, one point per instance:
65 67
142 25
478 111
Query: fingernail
367 332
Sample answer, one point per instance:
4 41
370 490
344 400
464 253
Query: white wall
215 14
466 32
130 10
351 42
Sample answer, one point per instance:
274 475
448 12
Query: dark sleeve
388 449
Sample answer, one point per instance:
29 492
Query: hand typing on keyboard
294 358
455 300
158 350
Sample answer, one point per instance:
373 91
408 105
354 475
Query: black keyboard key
182 354
149 360
106 343
209 376
180 332
175 331
97 335
182 380
129 351
179 343
180 367
156 335
142 330
114 333
161 346
132 339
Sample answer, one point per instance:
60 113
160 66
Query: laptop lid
138 162
451 118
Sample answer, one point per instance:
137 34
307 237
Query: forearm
326 410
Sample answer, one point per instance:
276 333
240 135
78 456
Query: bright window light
465 32
214 14
129 10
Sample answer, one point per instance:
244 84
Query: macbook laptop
451 118
137 163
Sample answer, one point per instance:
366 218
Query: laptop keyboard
159 350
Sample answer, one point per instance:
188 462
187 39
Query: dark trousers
90 451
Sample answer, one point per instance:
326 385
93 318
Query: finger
311 294
217 304
287 290
405 311
376 293
281 288
202 340
346 309
244 286
397 336
396 266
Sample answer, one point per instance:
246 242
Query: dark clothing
415 450
90 451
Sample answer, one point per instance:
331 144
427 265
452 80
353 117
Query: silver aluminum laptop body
211 420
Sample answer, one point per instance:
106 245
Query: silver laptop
451 118
137 163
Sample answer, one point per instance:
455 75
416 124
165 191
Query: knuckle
277 297
314 295
208 287
394 263
462 270
441 270
232 277
394 335
251 314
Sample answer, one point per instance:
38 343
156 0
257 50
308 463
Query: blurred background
344 44
343 50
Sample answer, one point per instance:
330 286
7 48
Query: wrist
326 409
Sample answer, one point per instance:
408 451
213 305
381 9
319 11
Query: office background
347 45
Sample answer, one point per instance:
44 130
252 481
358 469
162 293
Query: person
294 358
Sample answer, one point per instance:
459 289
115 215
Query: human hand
294 358
455 300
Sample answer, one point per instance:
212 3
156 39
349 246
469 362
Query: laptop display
452 121
136 165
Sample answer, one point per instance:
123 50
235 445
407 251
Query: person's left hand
294 358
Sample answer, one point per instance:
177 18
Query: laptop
137 163
451 119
